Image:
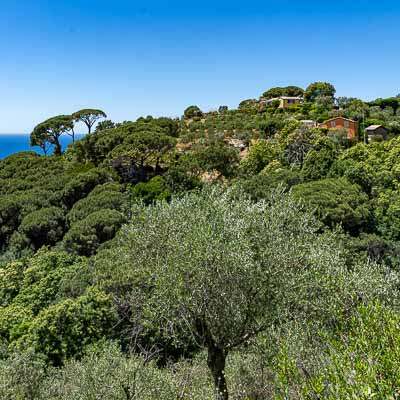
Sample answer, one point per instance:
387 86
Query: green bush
317 164
22 377
43 227
81 185
85 236
364 358
262 186
108 374
97 201
63 330
260 155
387 214
336 201
154 189
27 288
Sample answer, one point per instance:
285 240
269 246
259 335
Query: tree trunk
216 363
57 148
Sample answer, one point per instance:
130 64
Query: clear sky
134 58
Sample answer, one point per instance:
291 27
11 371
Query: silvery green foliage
107 374
238 265
224 268
21 376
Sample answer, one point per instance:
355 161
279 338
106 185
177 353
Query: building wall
341 123
379 131
285 103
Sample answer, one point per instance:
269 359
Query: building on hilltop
339 123
286 101
376 132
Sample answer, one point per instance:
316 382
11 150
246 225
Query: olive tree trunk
216 363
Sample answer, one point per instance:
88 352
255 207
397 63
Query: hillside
250 253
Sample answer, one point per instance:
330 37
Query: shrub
43 227
364 358
336 201
85 236
154 189
97 201
21 377
64 330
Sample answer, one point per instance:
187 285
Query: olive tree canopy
223 269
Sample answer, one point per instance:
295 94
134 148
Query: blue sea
16 142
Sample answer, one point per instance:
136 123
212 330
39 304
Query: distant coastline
11 143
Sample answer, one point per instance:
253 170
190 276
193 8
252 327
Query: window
333 124
346 124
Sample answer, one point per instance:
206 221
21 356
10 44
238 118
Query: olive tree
223 269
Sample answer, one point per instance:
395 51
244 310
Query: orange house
342 123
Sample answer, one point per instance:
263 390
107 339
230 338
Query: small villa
342 123
286 101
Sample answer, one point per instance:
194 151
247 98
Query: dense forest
248 253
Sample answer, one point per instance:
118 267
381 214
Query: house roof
271 100
284 98
374 127
333 119
291 98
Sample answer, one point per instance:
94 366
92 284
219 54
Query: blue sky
134 58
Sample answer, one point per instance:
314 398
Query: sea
11 143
